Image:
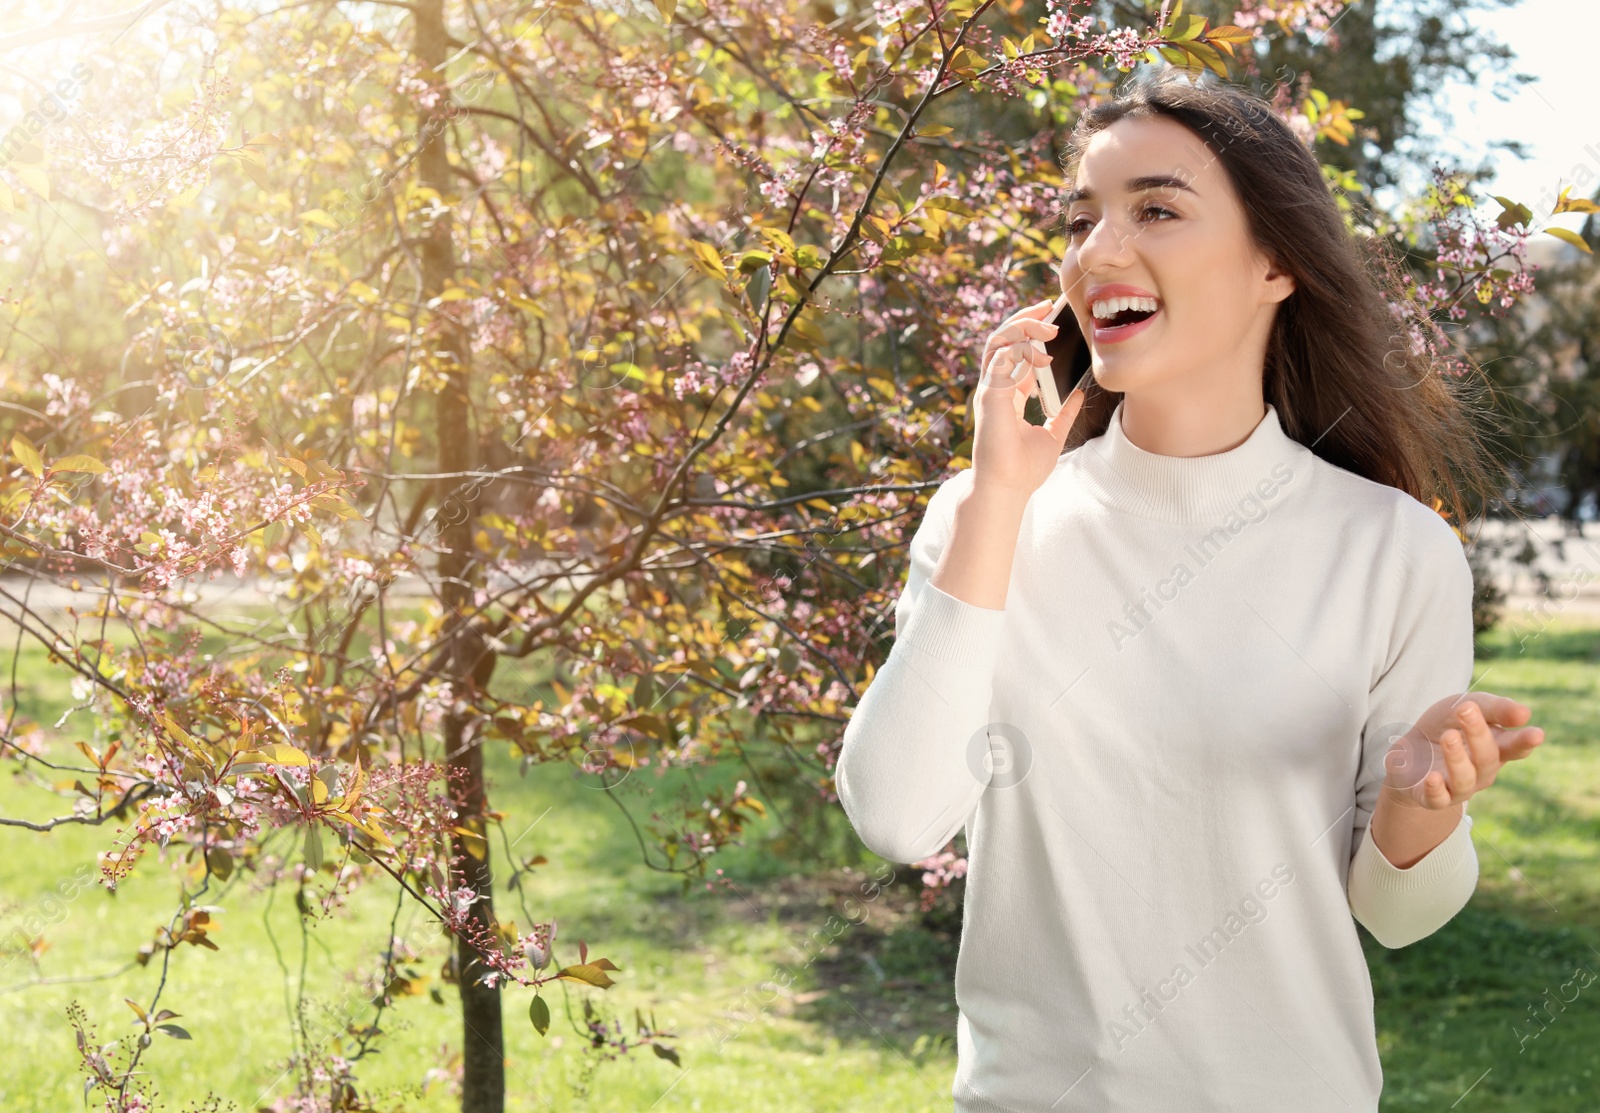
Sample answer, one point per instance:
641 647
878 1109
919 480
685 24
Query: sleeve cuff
944 628
1440 863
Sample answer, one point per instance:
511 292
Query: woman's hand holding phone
1009 453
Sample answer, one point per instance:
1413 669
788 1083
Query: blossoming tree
631 335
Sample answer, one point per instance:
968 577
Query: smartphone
1069 359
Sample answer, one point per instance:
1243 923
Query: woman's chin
1121 375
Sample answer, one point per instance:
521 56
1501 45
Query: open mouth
1115 314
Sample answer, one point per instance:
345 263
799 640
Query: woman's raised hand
1009 454
1457 749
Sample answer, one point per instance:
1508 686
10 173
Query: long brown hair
1340 366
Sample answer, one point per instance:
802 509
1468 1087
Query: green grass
867 1023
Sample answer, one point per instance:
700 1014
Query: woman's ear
1280 283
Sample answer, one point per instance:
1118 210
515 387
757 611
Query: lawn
869 1017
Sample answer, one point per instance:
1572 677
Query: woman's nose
1106 241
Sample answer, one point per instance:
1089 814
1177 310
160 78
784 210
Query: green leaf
644 692
138 1008
314 847
950 204
758 287
174 1031
665 1053
220 861
539 1013
328 775
1515 213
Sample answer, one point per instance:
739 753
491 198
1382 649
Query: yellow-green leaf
256 174
279 753
1228 33
1571 237
707 260
666 8
1186 27
588 973
79 462
1565 204
320 218
753 260
1208 56
22 448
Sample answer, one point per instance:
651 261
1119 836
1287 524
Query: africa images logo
1252 909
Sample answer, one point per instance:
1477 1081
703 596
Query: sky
1558 116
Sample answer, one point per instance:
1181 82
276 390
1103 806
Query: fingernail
1038 346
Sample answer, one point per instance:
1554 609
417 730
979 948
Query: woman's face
1153 215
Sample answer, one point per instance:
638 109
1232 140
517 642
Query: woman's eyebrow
1135 185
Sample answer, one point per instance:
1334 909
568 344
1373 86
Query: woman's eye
1080 225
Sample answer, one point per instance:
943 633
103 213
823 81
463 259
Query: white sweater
1165 751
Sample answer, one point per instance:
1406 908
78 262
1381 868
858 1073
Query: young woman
1198 688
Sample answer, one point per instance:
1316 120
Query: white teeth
1110 307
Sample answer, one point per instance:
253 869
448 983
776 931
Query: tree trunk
483 1048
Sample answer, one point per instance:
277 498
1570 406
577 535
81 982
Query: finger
1459 764
1499 711
1025 383
1480 740
1024 329
999 373
1020 332
1434 792
1036 310
1031 352
1518 744
1061 424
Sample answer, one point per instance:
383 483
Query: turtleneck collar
1187 489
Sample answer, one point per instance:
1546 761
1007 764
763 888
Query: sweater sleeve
1430 657
911 766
